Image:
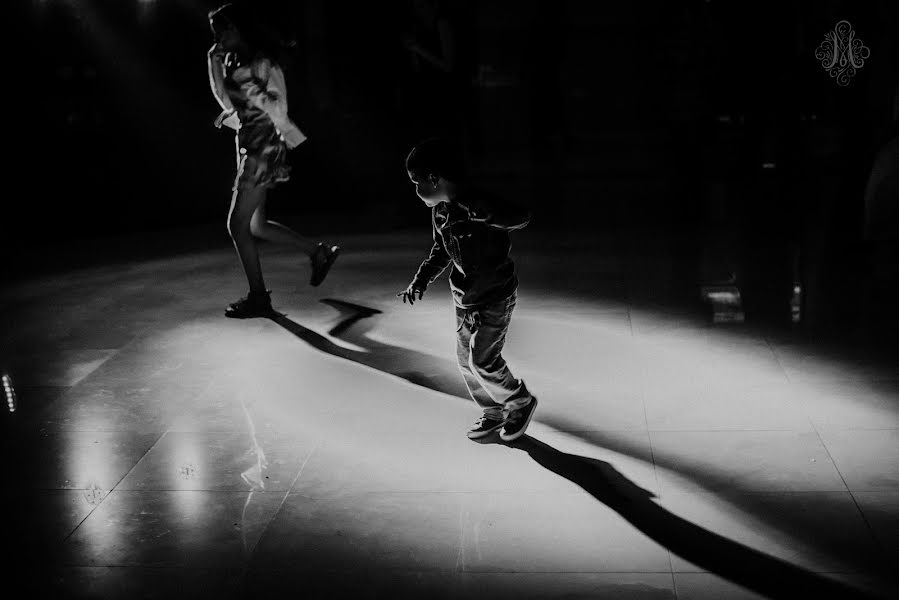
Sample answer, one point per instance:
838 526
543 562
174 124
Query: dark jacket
472 232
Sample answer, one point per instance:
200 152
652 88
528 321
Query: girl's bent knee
257 228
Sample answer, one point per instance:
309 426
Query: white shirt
272 100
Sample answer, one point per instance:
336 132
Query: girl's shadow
429 371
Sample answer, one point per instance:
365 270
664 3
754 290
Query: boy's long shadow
740 564
438 374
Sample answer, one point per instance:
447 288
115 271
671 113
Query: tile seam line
438 570
168 490
547 492
655 473
206 388
445 571
130 343
780 363
271 520
884 551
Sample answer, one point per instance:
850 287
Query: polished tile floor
160 450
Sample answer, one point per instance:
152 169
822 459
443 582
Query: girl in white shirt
250 88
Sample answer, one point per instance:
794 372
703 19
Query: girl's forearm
217 80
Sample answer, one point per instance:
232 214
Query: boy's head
435 168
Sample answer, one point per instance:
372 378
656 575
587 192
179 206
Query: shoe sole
520 432
267 313
476 435
335 252
259 316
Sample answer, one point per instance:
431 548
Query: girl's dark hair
438 157
235 15
260 35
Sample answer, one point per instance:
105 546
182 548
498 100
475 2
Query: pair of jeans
480 336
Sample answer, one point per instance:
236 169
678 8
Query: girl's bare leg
244 204
261 227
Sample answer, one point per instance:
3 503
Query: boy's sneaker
322 259
518 421
255 304
485 426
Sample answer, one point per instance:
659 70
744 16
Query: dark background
646 118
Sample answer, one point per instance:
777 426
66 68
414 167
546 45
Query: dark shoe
484 426
518 422
322 259
253 305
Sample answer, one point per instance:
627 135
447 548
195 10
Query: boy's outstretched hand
409 294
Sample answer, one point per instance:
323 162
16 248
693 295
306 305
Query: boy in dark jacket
471 231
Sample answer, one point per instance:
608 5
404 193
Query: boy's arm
499 214
434 264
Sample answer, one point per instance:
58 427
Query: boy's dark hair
438 157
